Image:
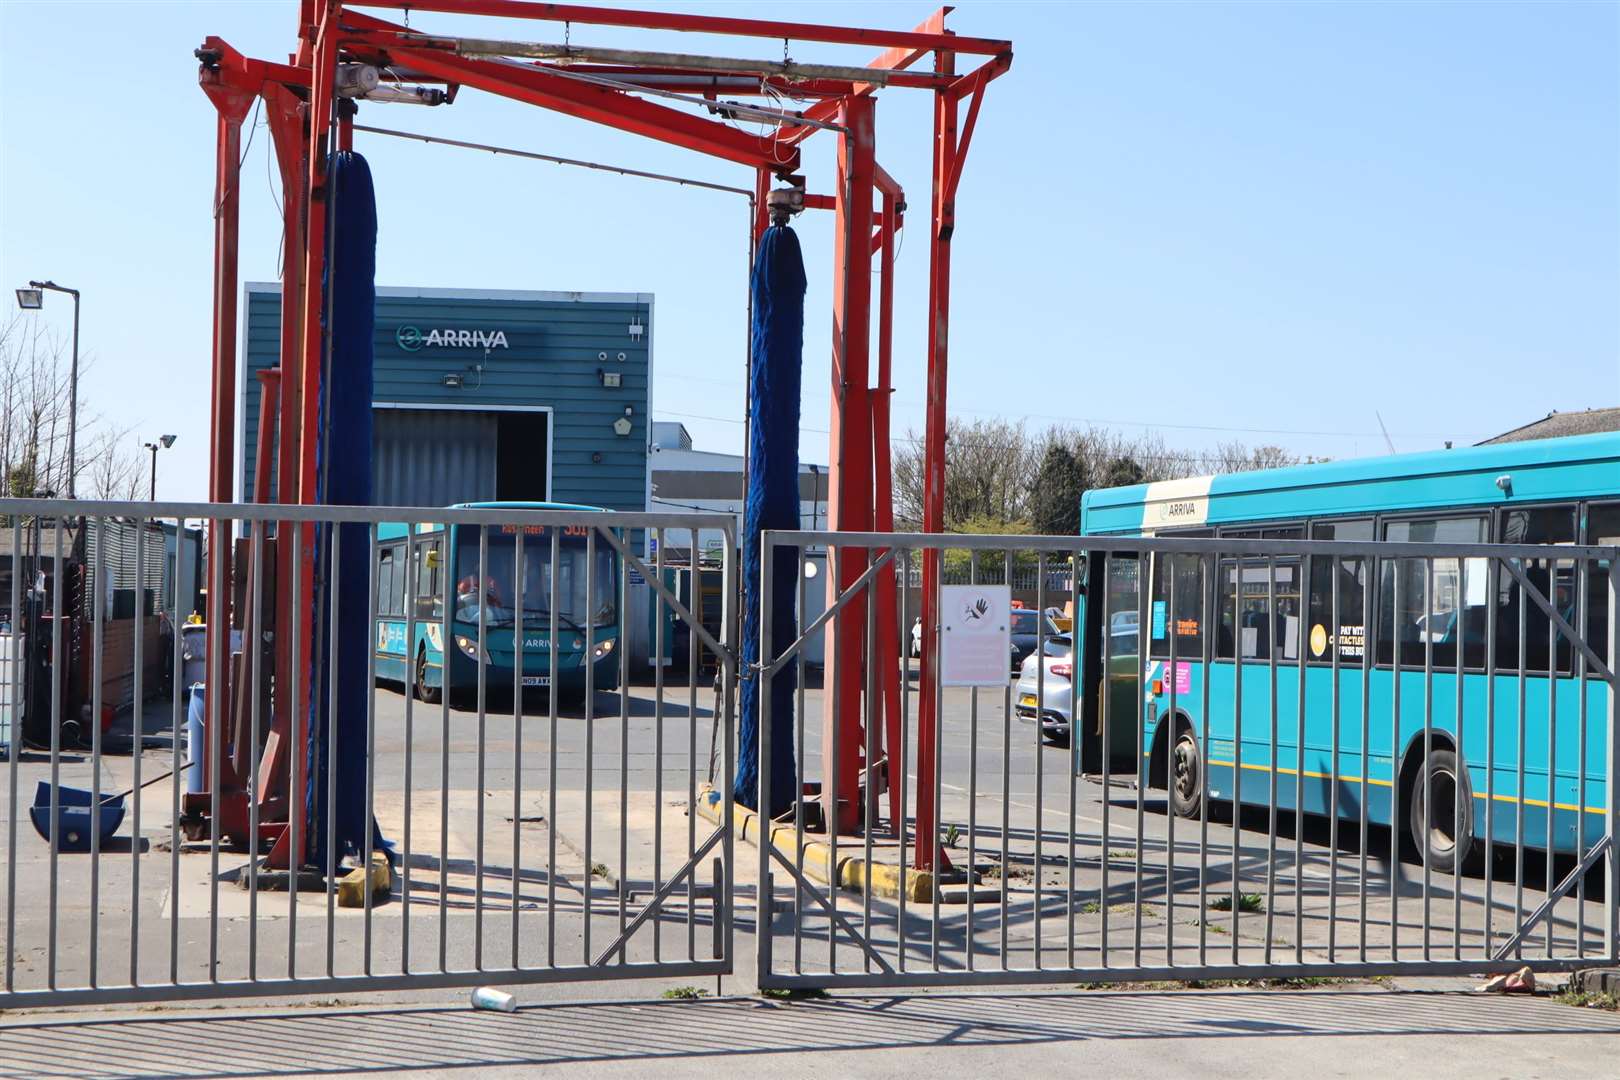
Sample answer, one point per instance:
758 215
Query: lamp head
30 299
166 440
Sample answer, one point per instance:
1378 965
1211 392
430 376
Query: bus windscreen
499 593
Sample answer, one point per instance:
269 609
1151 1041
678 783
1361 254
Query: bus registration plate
536 680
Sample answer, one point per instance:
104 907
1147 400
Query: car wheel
424 692
1449 839
1186 775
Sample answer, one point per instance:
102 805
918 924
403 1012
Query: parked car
1049 700
1026 632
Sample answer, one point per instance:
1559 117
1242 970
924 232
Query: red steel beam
850 453
705 24
601 105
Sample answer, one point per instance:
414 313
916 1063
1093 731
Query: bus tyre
424 692
1186 775
1447 842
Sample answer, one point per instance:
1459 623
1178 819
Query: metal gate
1142 826
533 785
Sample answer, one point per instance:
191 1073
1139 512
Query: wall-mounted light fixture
612 380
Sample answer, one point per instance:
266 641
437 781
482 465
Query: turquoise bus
412 564
1391 614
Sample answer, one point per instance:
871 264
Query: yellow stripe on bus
1386 783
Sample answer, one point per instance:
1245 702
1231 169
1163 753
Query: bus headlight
602 649
469 647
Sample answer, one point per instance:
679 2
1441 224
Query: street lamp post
32 299
163 443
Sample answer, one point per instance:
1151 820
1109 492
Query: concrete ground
1322 1033
588 849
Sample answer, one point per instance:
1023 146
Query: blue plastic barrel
194 740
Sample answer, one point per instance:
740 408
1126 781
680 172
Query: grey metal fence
1253 759
471 721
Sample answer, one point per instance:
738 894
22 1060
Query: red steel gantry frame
301 103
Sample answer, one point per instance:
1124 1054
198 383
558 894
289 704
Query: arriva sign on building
410 338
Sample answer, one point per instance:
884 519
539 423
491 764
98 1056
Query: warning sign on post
975 646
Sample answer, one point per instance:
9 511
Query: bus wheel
424 692
1186 775
1449 839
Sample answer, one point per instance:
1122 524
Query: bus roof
1579 466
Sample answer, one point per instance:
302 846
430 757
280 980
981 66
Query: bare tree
114 470
34 401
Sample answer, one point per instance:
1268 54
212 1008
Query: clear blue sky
1252 221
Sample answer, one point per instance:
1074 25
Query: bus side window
387 594
1346 631
1186 620
1553 578
1602 528
1433 615
430 573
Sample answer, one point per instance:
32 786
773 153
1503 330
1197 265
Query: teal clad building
488 395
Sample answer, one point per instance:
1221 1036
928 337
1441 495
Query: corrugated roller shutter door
432 457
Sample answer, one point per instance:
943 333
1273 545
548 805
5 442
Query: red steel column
939 289
886 650
232 106
285 112
850 451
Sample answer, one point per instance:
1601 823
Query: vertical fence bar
624 754
939 771
177 689
137 750
767 645
1457 818
1395 645
1492 584
98 602
658 735
379 637
1611 774
589 884
255 722
1104 718
412 570
1518 824
1072 758
901 926
1006 786
482 695
1369 635
1040 766
1553 672
520 626
554 603
295 757
1302 651
14 737
445 602
1428 740
693 645
1144 646
723 884
1583 624
1209 566
1335 642
332 752
1171 718
874 717
1238 568
1271 770
57 668
973 780
798 796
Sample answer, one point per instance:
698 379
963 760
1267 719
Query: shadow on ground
356 1041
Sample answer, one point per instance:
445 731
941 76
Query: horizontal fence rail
420 747
1245 759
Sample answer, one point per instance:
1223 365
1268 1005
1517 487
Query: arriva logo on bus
411 338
